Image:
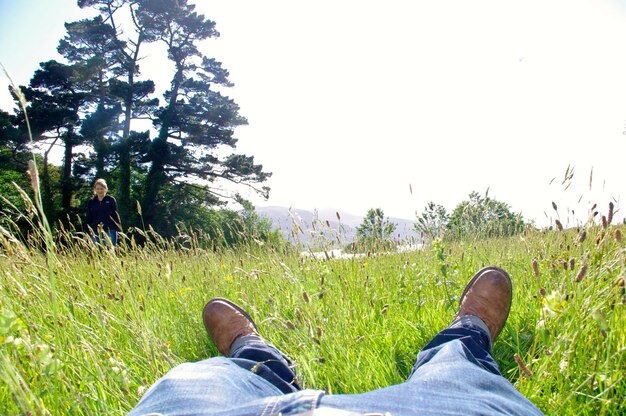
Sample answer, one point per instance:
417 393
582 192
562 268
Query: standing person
454 374
102 215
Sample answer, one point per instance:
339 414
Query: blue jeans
454 374
102 238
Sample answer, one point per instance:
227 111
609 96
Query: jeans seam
315 400
273 402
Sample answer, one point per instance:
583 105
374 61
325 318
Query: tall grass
86 330
124 317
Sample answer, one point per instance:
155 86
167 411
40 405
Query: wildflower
610 215
553 304
618 236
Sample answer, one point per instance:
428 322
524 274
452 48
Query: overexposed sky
354 104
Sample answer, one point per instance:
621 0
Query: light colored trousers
454 375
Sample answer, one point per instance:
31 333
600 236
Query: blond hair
102 182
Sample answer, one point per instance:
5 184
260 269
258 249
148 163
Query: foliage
431 223
375 231
92 104
226 228
481 217
196 121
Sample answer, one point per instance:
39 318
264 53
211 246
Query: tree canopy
101 107
432 222
375 231
483 217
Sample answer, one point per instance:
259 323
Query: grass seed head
535 267
618 236
520 363
581 273
34 175
559 226
610 214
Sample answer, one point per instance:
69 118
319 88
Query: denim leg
454 375
212 386
473 334
113 237
258 356
254 380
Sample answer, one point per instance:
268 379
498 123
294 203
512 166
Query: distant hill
307 226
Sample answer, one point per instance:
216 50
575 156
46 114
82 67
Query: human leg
455 373
113 237
483 310
205 387
236 335
252 379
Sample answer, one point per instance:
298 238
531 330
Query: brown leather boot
488 296
225 321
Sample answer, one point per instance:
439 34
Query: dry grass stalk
520 363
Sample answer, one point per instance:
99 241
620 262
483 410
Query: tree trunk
99 147
66 179
124 152
46 191
159 151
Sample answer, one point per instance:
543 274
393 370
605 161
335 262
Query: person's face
100 191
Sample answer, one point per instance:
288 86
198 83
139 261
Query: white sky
353 103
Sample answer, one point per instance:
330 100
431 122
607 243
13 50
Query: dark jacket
103 212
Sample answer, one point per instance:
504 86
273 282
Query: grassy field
86 331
